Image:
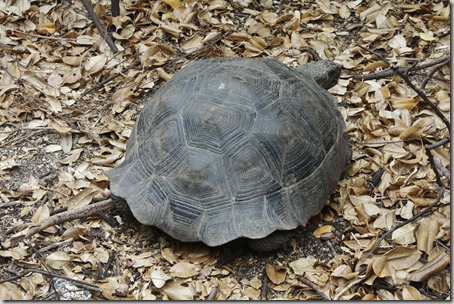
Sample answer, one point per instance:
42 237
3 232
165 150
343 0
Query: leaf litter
68 104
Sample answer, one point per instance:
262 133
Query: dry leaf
276 274
176 292
407 103
409 293
427 234
95 64
81 199
184 270
302 265
173 3
73 156
402 257
9 291
58 259
41 213
429 269
159 277
404 235
322 230
121 99
46 28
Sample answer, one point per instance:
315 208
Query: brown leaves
431 268
276 274
175 291
427 233
184 270
58 260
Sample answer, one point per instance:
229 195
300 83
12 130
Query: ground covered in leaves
68 104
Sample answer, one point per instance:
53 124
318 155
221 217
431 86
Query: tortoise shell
230 148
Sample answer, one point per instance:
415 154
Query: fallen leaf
9 291
404 235
276 274
173 3
429 269
159 277
301 265
73 156
40 214
409 293
81 199
427 234
177 292
184 270
95 64
58 259
402 257
322 230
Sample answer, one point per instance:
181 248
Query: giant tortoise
235 148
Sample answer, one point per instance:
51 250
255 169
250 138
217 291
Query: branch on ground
57 219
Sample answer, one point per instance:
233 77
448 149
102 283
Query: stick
100 84
64 217
213 293
336 297
390 72
315 288
417 215
137 63
432 72
411 85
99 26
76 282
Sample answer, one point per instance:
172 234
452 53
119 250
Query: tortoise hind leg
277 240
237 248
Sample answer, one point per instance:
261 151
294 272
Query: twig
432 161
38 128
122 72
438 144
24 138
137 63
413 218
390 72
341 292
76 282
10 204
115 7
376 179
6 69
64 217
434 168
264 289
433 164
99 26
112 258
314 287
58 244
213 293
432 72
443 245
117 267
44 37
312 52
411 85
442 169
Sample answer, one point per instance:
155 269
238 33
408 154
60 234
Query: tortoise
235 148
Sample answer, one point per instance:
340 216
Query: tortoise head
325 72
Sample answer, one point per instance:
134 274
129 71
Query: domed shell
232 148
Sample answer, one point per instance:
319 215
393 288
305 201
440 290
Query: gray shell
232 148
